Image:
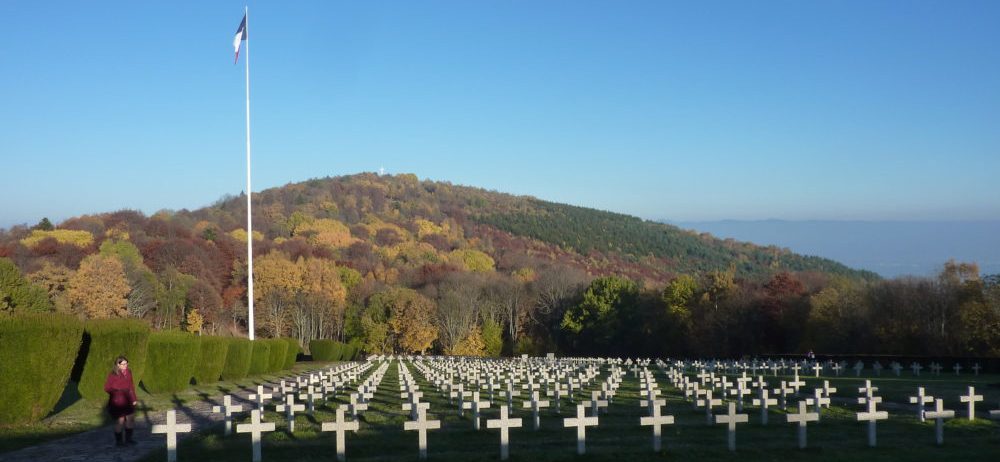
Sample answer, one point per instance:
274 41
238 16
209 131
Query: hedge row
171 360
37 353
104 340
36 357
330 350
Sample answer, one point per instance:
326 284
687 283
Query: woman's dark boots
128 437
119 441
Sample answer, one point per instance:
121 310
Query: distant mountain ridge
889 248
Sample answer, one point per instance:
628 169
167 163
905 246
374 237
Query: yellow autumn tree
194 321
78 238
276 281
412 319
99 289
327 232
472 260
471 345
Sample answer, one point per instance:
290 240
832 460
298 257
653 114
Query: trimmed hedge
213 359
170 361
276 360
291 353
352 351
325 350
238 356
260 357
36 357
105 340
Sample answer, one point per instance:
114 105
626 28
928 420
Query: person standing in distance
121 400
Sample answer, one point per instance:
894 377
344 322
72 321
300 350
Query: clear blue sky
877 110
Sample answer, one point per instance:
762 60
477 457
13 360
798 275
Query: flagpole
250 327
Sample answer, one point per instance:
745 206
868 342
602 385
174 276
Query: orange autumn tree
99 289
276 281
411 319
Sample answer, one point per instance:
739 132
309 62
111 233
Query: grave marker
171 428
504 424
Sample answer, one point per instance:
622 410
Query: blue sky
845 110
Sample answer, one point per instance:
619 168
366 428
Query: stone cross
595 403
818 401
255 428
476 405
356 405
581 422
828 390
171 428
340 426
957 368
310 395
796 383
708 403
421 425
535 404
802 418
872 415
783 391
260 397
504 424
763 401
976 368
858 367
916 368
939 414
920 400
656 421
415 407
971 398
731 419
228 408
290 408
818 368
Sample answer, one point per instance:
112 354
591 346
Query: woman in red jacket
121 400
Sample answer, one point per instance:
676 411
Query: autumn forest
398 264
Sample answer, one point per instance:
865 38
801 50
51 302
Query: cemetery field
74 415
838 436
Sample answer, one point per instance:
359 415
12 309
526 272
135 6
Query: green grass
838 437
74 415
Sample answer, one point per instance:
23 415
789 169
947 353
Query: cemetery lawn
74 415
838 437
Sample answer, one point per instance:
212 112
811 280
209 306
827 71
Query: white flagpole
250 327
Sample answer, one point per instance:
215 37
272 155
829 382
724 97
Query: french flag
241 35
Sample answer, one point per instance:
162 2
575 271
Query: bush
260 357
36 358
170 361
238 356
324 350
291 353
213 359
104 340
353 351
276 360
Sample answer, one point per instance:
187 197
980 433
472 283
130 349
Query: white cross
290 408
920 400
581 422
818 368
594 403
340 426
872 415
228 408
421 425
916 368
802 418
260 397
535 404
971 398
939 414
172 428
656 421
476 405
828 390
310 395
356 405
764 402
731 419
818 400
504 423
255 428
957 368
708 403
976 368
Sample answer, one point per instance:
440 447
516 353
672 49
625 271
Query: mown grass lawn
838 437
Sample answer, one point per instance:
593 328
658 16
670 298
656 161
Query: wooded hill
394 263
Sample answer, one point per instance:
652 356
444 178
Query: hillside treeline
400 265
